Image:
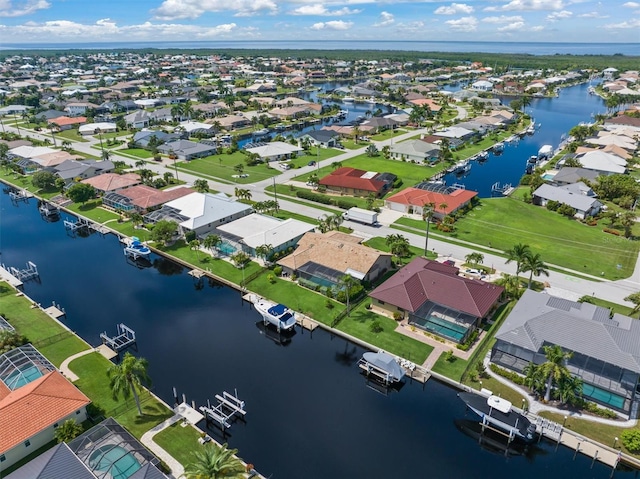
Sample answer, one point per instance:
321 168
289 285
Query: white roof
91 127
194 125
31 151
275 148
496 402
601 161
621 141
204 208
255 230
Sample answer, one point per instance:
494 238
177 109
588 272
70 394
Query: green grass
615 308
222 166
153 413
452 369
503 222
603 433
137 153
93 211
296 297
358 324
61 349
71 134
380 243
179 441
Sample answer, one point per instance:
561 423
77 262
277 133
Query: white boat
277 314
499 413
261 132
348 99
498 147
136 249
371 100
383 366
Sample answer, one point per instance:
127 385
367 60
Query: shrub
376 327
271 278
612 231
311 196
631 440
189 236
344 204
329 304
277 270
505 373
396 315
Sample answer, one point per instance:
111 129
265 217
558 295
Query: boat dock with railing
229 407
125 337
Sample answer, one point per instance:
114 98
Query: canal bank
306 394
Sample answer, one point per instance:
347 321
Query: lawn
38 326
502 222
410 173
299 299
71 135
179 441
222 166
359 322
453 368
136 153
380 243
93 211
24 182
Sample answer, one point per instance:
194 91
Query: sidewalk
70 375
177 470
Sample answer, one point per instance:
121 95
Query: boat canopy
386 363
277 310
499 403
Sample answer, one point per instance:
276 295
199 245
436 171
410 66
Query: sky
80 21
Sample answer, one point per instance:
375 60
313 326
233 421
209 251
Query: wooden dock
55 312
306 322
197 273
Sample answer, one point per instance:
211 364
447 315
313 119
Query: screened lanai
22 365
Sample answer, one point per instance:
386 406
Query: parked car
311 163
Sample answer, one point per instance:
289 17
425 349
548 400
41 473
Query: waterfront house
606 348
322 138
354 182
187 150
602 162
569 175
34 400
77 459
325 258
447 200
200 212
417 151
571 195
434 297
71 170
143 198
255 230
111 182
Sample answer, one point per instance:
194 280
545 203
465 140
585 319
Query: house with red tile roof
34 400
66 122
434 297
143 198
446 201
110 182
350 181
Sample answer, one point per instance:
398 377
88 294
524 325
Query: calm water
310 413
531 48
556 115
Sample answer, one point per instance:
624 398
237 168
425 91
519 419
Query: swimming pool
548 176
117 460
602 396
226 248
443 328
20 377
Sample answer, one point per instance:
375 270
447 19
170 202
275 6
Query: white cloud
631 5
555 16
411 27
321 10
453 9
464 24
9 8
512 27
503 19
332 25
593 15
386 19
528 5
537 28
624 25
106 29
191 9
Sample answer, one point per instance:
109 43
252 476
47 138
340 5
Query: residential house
255 230
97 128
143 198
71 170
351 181
325 258
143 139
322 138
77 459
569 175
417 151
112 182
79 108
187 150
603 163
570 195
605 349
446 200
232 122
200 212
433 297
275 151
34 400
63 123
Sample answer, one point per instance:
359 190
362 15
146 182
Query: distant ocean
533 48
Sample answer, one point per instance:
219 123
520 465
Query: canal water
310 412
556 117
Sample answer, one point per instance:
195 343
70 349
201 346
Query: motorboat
382 365
498 147
482 156
261 132
348 99
498 413
136 248
277 314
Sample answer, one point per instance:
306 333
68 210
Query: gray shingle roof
580 327
57 462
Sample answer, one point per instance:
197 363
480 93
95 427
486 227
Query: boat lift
20 195
124 338
228 407
29 273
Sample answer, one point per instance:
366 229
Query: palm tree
68 430
627 220
264 251
136 218
201 186
211 242
194 245
427 214
347 282
475 258
569 389
511 284
534 264
334 221
635 299
215 462
517 253
554 369
129 377
398 245
168 177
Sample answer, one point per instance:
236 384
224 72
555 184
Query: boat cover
386 363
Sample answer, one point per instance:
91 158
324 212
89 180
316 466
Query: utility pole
275 193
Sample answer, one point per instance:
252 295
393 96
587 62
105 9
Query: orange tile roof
113 181
65 120
418 197
37 406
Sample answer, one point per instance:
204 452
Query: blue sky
27 21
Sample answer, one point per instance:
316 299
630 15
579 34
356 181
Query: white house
602 162
584 204
482 85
